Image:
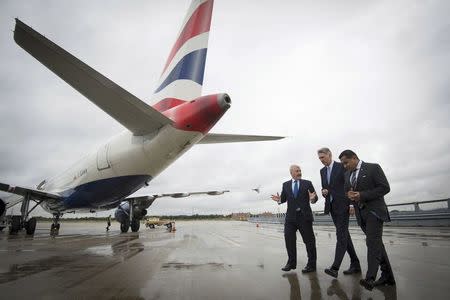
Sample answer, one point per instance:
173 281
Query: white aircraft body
177 118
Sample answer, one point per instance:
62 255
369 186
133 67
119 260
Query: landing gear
16 224
124 226
130 215
20 222
30 226
54 229
135 224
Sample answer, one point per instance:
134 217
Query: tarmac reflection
336 289
295 286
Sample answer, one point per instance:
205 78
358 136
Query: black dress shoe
384 281
352 270
367 283
309 269
288 267
332 272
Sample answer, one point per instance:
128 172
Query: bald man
298 194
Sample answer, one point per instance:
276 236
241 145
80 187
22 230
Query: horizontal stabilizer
137 116
215 138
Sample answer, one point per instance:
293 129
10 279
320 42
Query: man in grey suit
366 185
298 193
337 203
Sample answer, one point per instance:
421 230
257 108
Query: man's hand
312 197
276 197
324 192
351 211
354 196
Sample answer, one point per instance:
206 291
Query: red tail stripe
198 23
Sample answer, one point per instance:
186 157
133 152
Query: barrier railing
418 217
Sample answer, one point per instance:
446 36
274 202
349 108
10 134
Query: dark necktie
328 174
353 179
296 188
329 179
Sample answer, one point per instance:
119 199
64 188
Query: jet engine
2 207
122 213
2 214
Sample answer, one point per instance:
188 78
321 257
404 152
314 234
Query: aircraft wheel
16 222
135 224
124 226
30 226
54 230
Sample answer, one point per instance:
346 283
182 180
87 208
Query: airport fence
415 217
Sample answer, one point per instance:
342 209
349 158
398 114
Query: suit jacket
301 201
372 186
335 188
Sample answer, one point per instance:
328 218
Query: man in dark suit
298 193
366 185
337 203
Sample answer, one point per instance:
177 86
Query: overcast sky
371 76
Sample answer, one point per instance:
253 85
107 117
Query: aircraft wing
187 194
215 138
137 116
146 201
23 191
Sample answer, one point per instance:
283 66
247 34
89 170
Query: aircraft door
102 158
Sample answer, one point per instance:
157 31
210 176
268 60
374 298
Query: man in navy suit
337 203
298 194
366 185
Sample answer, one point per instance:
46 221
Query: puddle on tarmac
104 250
186 266
17 271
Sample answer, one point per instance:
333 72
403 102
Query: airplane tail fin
182 76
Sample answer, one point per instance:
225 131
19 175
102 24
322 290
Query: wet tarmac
209 260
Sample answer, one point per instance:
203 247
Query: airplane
157 133
257 189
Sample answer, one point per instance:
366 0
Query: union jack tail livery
182 76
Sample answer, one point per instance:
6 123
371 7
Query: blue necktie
328 174
296 188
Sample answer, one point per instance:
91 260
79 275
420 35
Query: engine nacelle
122 213
2 207
2 214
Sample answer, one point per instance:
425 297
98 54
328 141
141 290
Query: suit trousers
307 233
376 253
344 241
